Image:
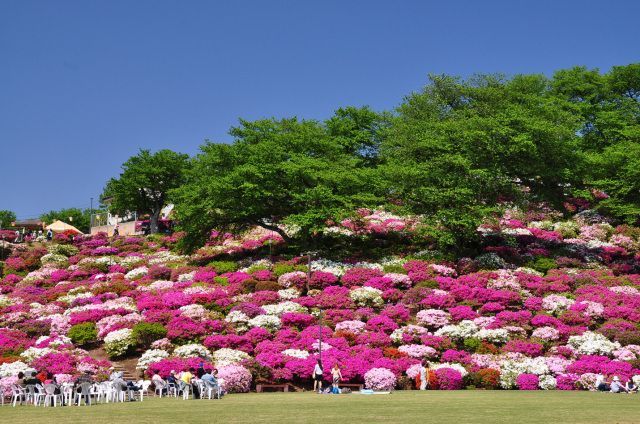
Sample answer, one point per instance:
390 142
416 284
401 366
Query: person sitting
616 386
187 378
114 374
20 382
159 383
601 384
630 386
32 380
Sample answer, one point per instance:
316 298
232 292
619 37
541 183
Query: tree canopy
288 175
79 218
6 218
452 153
145 182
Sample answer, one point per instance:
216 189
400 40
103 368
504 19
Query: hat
172 372
616 378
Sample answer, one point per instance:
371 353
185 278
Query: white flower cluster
511 368
590 343
150 356
186 277
270 322
336 268
556 303
5 301
411 329
283 307
34 353
296 353
192 350
547 382
131 261
194 311
11 369
118 342
499 335
157 285
53 259
136 273
367 296
462 330
165 256
69 298
288 294
225 356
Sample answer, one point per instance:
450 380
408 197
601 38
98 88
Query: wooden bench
354 385
261 387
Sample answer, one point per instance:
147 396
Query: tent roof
59 227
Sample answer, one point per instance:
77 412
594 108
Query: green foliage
7 217
277 173
145 333
472 344
543 264
459 147
63 249
83 334
144 183
394 268
222 267
609 109
79 218
221 281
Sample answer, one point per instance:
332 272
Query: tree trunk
153 221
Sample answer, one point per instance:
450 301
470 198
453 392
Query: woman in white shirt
317 376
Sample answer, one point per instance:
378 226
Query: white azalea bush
118 342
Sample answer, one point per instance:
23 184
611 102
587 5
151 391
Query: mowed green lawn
459 407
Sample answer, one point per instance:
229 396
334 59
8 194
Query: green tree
145 182
277 174
459 148
6 218
608 106
79 218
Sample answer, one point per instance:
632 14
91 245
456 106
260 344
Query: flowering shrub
118 342
527 311
449 379
380 379
527 382
235 378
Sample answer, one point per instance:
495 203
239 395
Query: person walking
317 376
336 378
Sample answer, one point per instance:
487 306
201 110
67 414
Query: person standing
49 235
424 375
116 231
336 378
317 376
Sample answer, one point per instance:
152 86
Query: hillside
550 303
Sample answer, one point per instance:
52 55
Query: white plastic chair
186 389
85 392
38 394
50 395
18 394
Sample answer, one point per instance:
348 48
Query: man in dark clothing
31 380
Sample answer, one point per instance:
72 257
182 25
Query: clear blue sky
84 84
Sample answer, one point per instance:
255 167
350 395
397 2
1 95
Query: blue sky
84 84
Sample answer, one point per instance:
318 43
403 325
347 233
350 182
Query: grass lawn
458 407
